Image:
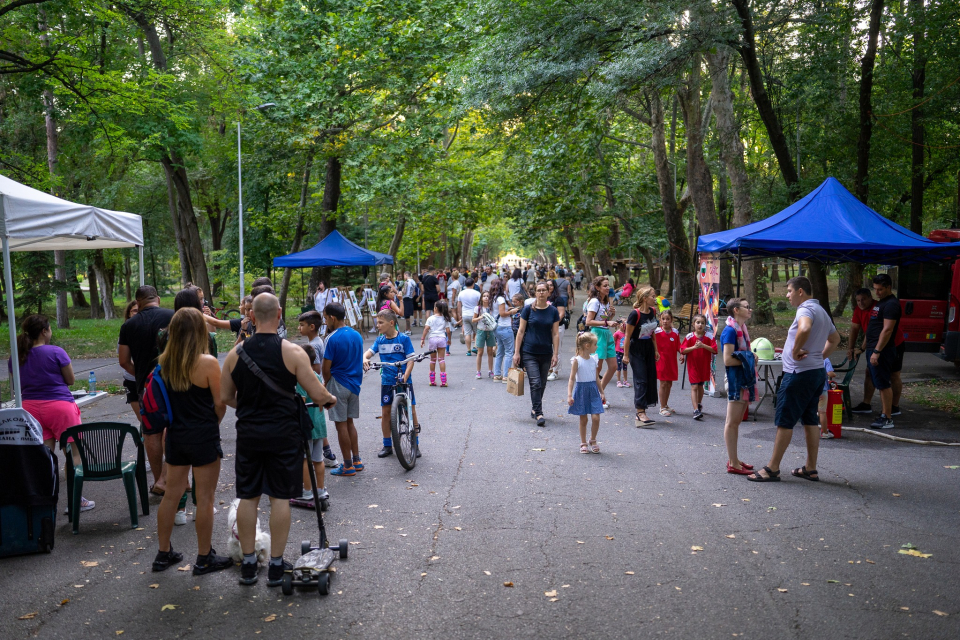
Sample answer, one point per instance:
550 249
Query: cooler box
29 486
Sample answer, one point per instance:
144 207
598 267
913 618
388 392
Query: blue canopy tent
830 225
334 251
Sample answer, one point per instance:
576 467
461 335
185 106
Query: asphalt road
651 538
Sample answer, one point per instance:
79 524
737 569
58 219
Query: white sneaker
180 519
307 494
323 494
606 406
85 505
552 377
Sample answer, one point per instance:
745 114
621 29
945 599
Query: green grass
943 395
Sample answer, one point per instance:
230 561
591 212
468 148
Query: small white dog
261 546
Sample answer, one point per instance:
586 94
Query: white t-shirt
604 312
514 287
410 289
437 325
469 299
502 321
322 298
586 367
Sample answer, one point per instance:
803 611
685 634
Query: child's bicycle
221 312
403 432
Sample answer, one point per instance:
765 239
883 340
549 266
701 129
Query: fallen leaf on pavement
696 548
169 607
896 495
717 504
908 545
89 563
78 586
628 573
378 526
537 449
29 616
270 618
914 552
564 586
120 632
731 536
833 582
550 594
185 567
434 557
487 573
782 590
581 542
372 506
609 537
64 601
940 613
952 466
805 584
508 584
553 600
904 608
869 561
457 529
155 586
771 508
196 588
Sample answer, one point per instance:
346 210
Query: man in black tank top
270 454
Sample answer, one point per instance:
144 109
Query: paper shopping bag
515 382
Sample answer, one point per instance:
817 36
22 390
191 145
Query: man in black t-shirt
138 353
430 293
881 330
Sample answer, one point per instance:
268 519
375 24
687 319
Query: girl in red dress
668 344
698 348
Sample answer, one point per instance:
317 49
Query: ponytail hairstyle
441 307
30 330
584 340
641 294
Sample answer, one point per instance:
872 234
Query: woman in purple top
45 376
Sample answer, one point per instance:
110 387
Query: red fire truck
929 296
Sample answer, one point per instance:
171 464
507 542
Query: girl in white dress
583 390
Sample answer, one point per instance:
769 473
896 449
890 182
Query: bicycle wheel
229 314
403 432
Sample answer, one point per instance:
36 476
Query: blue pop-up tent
829 225
334 251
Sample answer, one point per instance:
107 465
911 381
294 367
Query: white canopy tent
31 220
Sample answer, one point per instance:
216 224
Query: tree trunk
185 275
653 270
852 280
104 284
328 208
731 153
60 275
672 218
298 232
128 277
94 297
79 301
398 235
466 249
917 132
748 52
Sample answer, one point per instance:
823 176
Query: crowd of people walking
507 318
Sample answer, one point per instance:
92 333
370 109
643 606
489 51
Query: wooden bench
684 319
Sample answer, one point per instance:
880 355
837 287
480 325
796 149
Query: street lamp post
262 107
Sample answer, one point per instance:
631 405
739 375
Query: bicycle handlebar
415 358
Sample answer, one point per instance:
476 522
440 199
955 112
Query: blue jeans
505 339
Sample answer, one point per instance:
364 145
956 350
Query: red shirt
698 361
668 344
862 318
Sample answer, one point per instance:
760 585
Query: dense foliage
447 132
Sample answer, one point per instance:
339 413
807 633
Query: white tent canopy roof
37 221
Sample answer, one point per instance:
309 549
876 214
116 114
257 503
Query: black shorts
428 304
131 387
274 468
696 384
798 397
881 373
191 455
898 360
407 307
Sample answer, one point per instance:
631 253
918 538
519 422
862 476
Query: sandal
584 448
772 476
594 447
742 471
801 472
157 492
642 422
665 413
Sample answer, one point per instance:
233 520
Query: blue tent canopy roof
829 225
334 251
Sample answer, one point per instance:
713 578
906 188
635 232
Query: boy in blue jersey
391 346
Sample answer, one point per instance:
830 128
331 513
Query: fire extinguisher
834 411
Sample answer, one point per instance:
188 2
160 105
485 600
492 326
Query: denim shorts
798 398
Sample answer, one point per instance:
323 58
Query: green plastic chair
848 369
100 445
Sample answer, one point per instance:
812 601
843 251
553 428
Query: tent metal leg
738 273
12 322
140 264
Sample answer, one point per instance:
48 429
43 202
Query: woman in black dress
537 346
642 354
